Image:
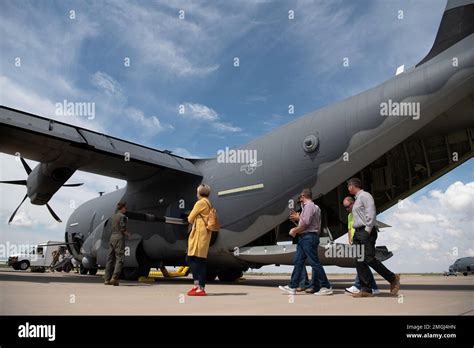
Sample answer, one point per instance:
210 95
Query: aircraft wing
381 224
45 140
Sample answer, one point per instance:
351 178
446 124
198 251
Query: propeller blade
73 185
25 165
53 213
14 213
14 182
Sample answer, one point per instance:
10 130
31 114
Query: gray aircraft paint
463 265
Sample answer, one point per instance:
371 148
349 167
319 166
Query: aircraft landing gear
230 275
133 273
83 270
143 269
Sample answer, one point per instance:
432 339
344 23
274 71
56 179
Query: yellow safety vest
350 225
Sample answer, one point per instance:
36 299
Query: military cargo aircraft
397 137
464 265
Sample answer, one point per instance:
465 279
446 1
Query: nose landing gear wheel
83 270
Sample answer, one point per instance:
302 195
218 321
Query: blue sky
190 62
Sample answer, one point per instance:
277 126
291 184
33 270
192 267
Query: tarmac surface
23 293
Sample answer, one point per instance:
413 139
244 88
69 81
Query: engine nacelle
45 180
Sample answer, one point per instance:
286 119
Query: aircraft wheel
465 274
133 273
83 270
143 269
230 275
92 271
24 265
67 267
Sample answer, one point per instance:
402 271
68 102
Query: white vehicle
38 258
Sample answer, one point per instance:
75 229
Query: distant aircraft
463 265
397 137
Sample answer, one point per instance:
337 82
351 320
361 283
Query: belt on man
362 228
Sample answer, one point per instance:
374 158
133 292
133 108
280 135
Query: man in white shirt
364 214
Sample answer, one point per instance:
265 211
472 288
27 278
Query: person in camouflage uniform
55 255
116 246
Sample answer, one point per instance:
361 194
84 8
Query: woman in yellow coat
199 239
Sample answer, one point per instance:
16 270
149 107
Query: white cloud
458 196
430 246
106 83
36 102
199 112
160 39
226 127
456 232
186 48
150 125
21 219
415 217
375 38
45 76
434 230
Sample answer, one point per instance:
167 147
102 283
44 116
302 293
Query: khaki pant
115 257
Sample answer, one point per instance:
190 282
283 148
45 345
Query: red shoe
192 292
199 293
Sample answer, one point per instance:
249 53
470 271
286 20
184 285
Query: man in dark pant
367 240
308 244
309 226
364 214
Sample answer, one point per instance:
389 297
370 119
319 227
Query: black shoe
363 294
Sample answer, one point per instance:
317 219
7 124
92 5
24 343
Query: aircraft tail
456 24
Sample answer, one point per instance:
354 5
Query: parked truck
38 258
